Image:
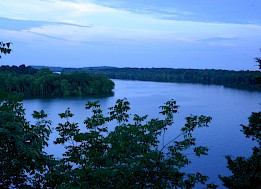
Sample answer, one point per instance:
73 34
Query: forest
33 83
233 79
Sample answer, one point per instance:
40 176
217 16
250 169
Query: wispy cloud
19 25
221 41
52 11
216 11
48 36
147 8
218 39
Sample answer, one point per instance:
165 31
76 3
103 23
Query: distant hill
60 69
53 69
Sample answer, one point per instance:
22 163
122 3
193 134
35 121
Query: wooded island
33 83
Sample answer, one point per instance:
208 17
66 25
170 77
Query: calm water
228 107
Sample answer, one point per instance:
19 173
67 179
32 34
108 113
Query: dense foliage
22 159
43 83
122 154
131 155
233 79
246 172
18 70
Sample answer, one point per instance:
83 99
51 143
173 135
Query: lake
229 108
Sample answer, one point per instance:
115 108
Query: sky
202 34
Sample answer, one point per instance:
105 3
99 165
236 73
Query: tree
258 60
23 162
5 48
132 155
246 172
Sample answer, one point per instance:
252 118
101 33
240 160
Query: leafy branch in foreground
131 155
246 172
5 48
23 163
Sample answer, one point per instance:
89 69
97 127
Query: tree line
33 83
233 79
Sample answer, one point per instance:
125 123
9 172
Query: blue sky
203 34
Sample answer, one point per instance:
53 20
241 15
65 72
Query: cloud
217 11
52 11
148 8
19 25
48 36
219 39
119 22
